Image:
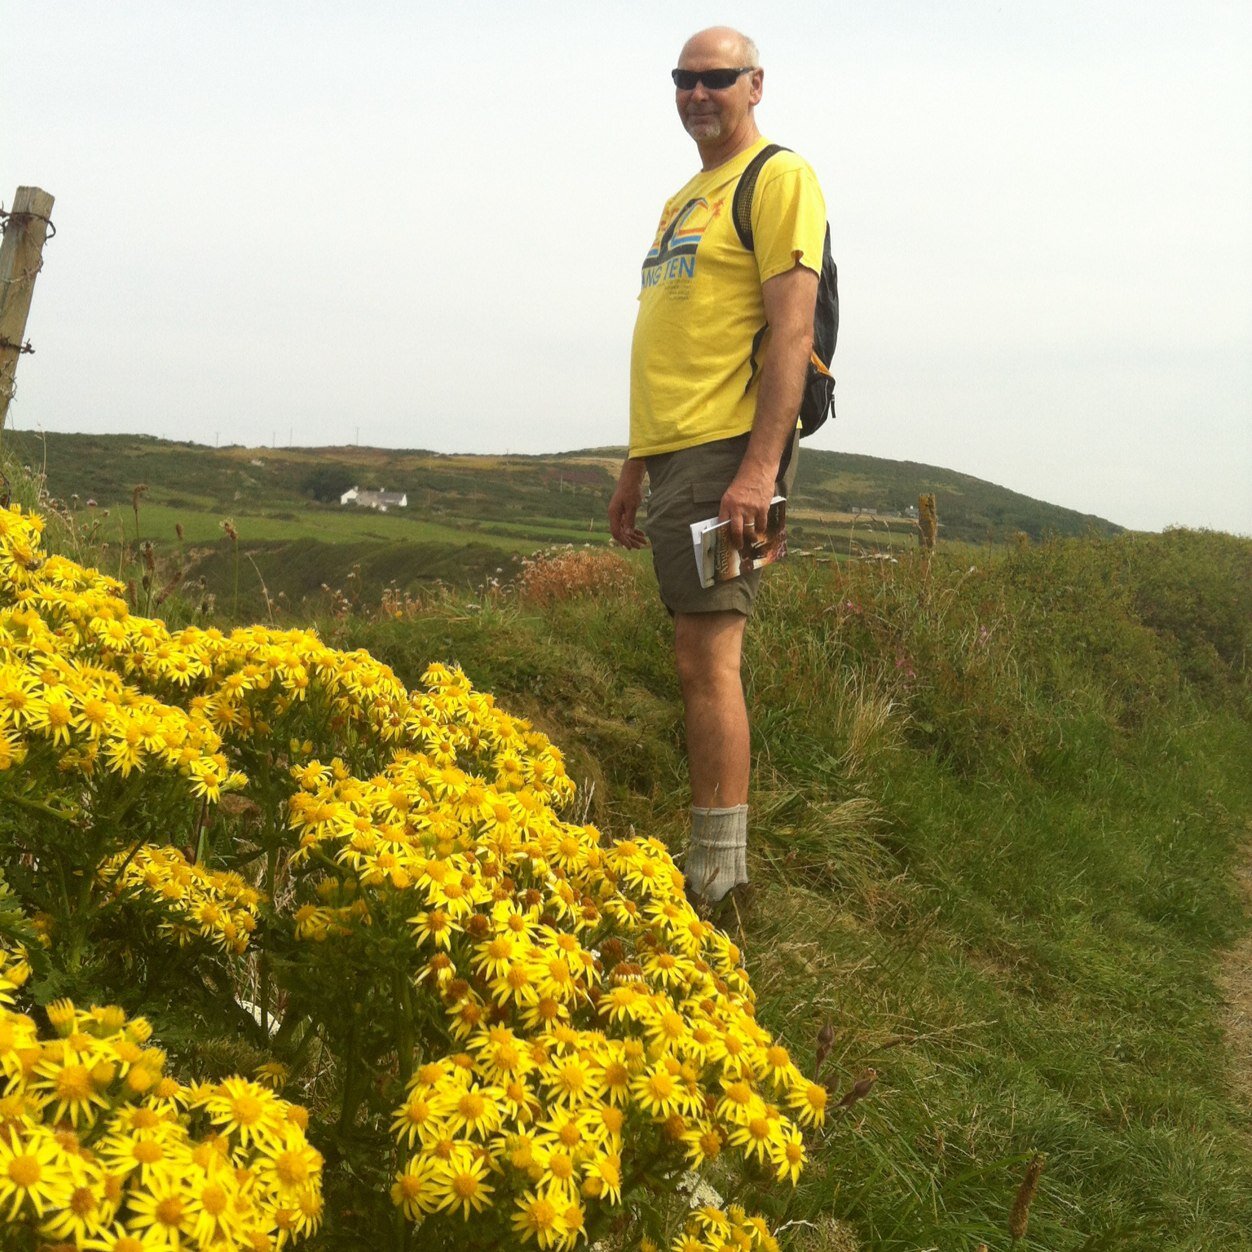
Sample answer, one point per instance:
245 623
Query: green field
470 518
157 522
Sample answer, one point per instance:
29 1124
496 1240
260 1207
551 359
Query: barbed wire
21 349
7 218
25 276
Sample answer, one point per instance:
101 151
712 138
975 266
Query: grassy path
1235 982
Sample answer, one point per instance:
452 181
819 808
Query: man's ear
758 87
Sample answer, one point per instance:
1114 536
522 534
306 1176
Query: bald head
721 44
719 117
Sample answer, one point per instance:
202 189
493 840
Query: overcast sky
421 225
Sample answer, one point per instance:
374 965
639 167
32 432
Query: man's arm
790 299
625 504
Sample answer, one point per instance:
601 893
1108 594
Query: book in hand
718 560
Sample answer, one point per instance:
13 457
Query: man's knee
693 669
707 651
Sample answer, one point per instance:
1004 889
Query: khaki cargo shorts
684 487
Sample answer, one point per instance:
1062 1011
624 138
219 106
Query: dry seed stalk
136 494
859 1089
169 587
1019 1215
825 1041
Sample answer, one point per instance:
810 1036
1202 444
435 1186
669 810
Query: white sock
716 855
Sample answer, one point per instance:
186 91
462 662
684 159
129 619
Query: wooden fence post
21 258
927 521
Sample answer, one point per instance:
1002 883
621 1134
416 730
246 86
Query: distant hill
502 489
466 515
970 508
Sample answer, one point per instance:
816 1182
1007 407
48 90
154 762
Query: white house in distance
380 500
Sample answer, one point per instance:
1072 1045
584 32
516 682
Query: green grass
995 814
997 802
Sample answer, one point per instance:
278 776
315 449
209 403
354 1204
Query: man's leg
708 649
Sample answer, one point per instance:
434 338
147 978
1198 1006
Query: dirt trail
1235 980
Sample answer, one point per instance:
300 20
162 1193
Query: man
714 401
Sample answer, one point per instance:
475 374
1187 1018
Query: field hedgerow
505 1028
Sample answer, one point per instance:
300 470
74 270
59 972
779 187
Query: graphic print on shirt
672 257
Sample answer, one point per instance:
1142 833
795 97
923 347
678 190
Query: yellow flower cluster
66 641
14 970
600 1017
104 686
98 690
577 1027
98 1147
710 1229
195 902
244 681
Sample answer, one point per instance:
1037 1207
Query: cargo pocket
708 493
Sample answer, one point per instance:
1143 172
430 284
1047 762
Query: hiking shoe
733 913
736 910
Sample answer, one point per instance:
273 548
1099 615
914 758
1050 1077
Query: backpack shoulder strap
741 208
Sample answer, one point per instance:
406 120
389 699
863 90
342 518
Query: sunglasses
714 80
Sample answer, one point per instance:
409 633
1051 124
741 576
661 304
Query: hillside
996 808
994 815
970 509
469 518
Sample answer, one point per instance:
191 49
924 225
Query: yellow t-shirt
700 301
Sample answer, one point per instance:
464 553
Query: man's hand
746 504
625 504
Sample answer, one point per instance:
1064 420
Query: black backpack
819 389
